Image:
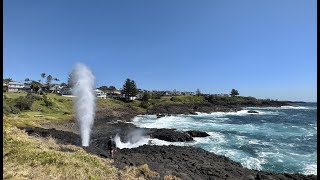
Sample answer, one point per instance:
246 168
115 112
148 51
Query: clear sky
265 49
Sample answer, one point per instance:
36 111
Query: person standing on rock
111 146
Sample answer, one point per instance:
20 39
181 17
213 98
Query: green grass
27 157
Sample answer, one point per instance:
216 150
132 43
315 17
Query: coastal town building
15 87
55 88
114 93
66 91
100 94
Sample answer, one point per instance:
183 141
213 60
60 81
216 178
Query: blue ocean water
277 139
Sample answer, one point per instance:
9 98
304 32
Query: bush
146 96
34 97
175 99
24 103
157 95
47 101
144 104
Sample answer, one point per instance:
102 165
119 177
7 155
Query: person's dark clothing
111 145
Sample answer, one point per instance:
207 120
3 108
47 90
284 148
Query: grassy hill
29 157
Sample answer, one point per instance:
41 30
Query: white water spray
82 81
136 139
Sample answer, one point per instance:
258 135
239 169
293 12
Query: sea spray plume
135 139
82 81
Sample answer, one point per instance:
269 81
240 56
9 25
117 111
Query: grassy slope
27 157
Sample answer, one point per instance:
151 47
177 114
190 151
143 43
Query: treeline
241 101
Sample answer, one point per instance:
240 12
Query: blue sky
265 49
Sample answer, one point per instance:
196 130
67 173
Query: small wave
297 107
253 163
283 107
310 169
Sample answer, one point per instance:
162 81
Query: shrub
144 104
24 103
146 96
175 99
47 101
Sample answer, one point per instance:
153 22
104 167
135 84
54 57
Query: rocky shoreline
183 162
127 113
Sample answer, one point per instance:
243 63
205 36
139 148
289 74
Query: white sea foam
238 113
283 107
310 169
122 145
136 139
253 163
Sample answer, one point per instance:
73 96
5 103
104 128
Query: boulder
197 133
253 112
171 135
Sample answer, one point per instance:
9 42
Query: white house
15 87
65 91
56 88
100 94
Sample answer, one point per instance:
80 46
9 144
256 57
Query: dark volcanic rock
251 111
171 135
181 161
197 133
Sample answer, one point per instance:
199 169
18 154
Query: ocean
282 139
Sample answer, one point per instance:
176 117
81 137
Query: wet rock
197 133
253 112
171 135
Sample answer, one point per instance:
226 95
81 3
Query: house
65 91
56 88
187 93
113 93
100 94
139 95
15 87
5 87
26 88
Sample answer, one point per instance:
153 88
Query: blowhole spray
82 81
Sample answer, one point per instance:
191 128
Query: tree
198 92
112 88
49 79
103 88
56 79
7 80
27 80
63 84
43 75
35 86
70 80
130 88
234 92
146 96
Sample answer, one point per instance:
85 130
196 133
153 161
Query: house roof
15 83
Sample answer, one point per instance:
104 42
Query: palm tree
27 80
43 75
35 86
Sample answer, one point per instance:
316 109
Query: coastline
163 159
